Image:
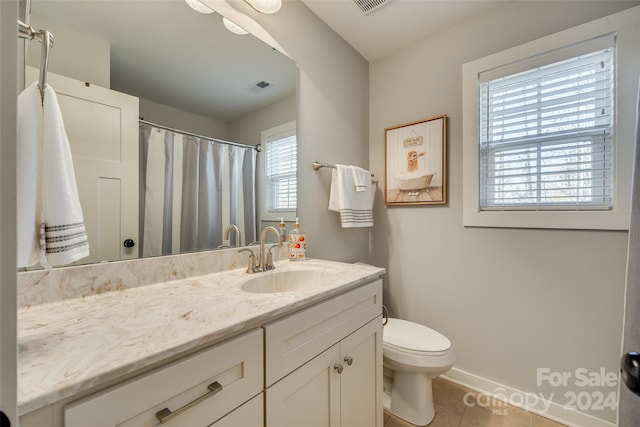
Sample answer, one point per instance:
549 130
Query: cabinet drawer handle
349 360
165 414
338 368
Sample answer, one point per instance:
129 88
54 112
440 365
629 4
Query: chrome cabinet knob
338 368
349 360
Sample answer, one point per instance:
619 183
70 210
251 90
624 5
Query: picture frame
415 157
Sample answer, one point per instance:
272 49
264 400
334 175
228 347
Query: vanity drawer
199 389
292 341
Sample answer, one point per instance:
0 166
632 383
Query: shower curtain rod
258 148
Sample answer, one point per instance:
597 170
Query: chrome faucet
263 265
227 234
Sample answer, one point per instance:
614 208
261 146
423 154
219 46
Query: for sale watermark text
588 398
581 377
590 390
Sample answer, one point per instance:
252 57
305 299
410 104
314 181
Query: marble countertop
74 345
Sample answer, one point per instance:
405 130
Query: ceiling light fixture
234 28
199 6
265 6
203 8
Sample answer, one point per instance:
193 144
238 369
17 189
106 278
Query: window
548 130
546 135
280 169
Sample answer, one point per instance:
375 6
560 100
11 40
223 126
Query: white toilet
412 355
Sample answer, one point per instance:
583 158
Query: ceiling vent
369 6
260 86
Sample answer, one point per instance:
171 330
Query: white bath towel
355 207
50 223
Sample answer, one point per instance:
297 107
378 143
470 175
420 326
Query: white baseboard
546 408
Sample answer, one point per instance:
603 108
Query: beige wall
76 55
182 120
556 299
247 130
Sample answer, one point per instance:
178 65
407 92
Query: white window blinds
281 168
546 135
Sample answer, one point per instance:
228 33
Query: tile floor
451 411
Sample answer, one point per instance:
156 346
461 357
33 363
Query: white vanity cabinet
312 361
324 364
195 391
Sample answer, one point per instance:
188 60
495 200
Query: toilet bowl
412 356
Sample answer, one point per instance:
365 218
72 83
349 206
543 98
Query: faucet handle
251 266
268 265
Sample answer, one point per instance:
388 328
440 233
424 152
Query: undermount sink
282 281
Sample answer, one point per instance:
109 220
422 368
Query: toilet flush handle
385 315
349 360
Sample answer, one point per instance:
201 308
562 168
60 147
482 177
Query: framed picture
415 157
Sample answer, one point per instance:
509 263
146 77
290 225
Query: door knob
630 367
128 243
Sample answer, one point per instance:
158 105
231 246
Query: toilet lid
414 337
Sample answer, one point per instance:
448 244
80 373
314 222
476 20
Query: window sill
569 220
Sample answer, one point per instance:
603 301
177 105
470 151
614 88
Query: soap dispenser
283 231
297 243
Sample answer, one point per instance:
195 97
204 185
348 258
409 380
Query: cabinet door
293 340
309 396
361 379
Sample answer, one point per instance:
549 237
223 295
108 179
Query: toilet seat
404 336
415 352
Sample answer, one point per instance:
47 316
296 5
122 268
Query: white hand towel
355 207
361 178
50 202
29 132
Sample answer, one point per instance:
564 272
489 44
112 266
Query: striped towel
354 203
50 223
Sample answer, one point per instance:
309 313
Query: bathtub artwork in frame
415 163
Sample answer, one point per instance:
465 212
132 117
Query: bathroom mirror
169 55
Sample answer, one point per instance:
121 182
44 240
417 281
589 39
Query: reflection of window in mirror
280 171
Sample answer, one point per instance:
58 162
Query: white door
361 379
102 126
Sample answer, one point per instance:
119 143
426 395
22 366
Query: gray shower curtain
191 189
629 403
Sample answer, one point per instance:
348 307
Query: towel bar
46 39
318 165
